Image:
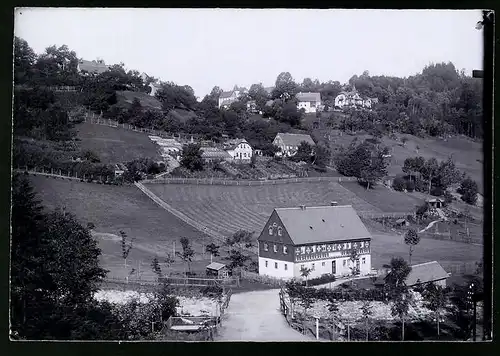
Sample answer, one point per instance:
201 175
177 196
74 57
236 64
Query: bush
399 184
448 198
437 191
420 185
410 186
323 279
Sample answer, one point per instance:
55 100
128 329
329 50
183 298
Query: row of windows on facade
275 248
323 264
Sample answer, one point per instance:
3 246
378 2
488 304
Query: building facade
155 87
320 238
353 100
91 67
310 102
239 150
289 143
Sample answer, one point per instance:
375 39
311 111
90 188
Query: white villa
353 100
310 102
240 150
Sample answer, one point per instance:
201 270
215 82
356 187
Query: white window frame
286 267
266 246
279 231
344 263
323 264
270 230
313 267
275 248
363 260
285 250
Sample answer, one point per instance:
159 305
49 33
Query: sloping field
229 208
114 145
385 199
465 152
115 208
147 101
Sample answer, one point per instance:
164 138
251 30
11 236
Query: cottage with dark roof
310 102
320 238
289 143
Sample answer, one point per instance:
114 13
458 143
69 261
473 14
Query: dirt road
255 316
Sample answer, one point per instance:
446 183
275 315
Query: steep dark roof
308 97
426 272
295 139
226 94
232 144
316 224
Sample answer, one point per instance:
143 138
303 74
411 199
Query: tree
91 156
435 297
125 247
191 157
24 60
304 152
237 258
354 261
411 239
305 272
240 239
447 174
259 94
306 300
213 250
367 311
54 272
430 170
155 266
333 308
399 270
321 156
401 305
284 88
399 184
468 190
187 253
269 150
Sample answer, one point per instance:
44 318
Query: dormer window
270 230
275 248
285 250
279 231
266 247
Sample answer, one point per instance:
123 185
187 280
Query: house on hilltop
352 99
310 102
226 98
155 87
320 238
289 143
87 67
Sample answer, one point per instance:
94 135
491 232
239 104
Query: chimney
302 207
334 203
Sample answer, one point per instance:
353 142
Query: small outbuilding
429 272
218 270
402 222
435 203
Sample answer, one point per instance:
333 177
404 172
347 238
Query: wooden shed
218 270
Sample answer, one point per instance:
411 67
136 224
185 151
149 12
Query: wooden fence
62 174
224 181
252 276
200 282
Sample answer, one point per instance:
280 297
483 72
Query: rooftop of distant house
317 224
426 272
290 139
305 97
92 66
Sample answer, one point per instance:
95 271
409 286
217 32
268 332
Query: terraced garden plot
113 144
115 208
229 208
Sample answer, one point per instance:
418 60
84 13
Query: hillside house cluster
352 99
288 143
235 151
320 238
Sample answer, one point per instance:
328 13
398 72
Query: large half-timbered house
320 238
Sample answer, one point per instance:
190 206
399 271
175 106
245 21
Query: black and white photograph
265 175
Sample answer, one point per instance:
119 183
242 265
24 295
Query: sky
203 48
